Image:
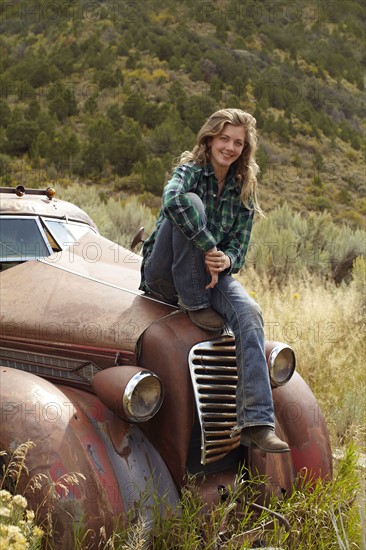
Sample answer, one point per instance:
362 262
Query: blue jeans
176 272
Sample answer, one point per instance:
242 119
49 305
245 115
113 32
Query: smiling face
226 148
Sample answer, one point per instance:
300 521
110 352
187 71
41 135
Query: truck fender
302 421
74 432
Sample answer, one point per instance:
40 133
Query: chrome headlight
281 363
134 394
142 397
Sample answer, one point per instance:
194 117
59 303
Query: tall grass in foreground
323 517
23 528
327 516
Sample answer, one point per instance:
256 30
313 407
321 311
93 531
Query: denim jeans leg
189 273
158 267
242 314
176 266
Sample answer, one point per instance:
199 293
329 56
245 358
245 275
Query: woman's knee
198 204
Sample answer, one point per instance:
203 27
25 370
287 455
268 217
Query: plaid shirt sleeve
236 244
179 209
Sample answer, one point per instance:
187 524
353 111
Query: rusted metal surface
78 302
141 473
275 471
71 430
34 410
300 416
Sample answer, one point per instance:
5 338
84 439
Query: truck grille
214 376
49 366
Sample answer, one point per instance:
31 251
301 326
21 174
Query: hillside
109 92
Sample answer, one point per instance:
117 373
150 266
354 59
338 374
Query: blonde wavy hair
246 166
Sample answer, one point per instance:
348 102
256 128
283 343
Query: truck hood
86 295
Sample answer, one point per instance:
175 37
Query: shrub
153 175
116 220
62 101
5 114
286 243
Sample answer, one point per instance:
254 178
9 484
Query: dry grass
325 326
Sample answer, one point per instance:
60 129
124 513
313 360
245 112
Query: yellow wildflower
20 501
5 496
30 515
38 532
12 538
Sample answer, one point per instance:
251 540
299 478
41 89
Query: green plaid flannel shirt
229 222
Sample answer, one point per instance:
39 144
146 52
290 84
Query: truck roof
39 202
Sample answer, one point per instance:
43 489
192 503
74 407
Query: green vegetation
110 92
285 243
323 516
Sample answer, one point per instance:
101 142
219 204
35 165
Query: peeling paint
92 452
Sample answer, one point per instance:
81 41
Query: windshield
22 239
66 233
29 238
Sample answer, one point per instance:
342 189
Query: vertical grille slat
213 369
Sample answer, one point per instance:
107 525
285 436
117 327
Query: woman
201 238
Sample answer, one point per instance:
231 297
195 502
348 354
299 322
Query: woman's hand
216 262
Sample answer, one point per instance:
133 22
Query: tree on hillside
197 109
153 173
5 114
20 134
41 146
65 148
62 101
125 149
93 158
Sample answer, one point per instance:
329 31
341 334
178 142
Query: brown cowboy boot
264 438
206 318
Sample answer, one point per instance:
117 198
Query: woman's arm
236 244
179 209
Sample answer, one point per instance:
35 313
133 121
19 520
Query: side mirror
137 238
